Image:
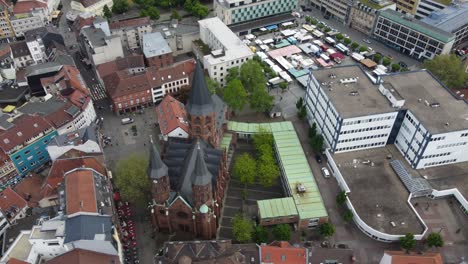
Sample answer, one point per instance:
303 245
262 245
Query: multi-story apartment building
452 19
7 168
131 31
338 103
228 50
29 15
40 42
411 36
362 16
426 7
5 27
24 140
407 6
21 55
156 50
241 11
98 47
412 110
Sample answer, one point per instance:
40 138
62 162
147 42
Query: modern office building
412 110
411 36
362 15
452 19
426 7
337 9
227 50
242 11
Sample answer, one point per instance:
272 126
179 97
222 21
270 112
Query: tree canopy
132 181
267 168
260 234
253 78
449 70
282 232
354 45
434 240
326 229
245 168
386 61
106 12
347 41
213 86
151 12
196 8
407 242
348 216
234 95
120 6
242 228
341 198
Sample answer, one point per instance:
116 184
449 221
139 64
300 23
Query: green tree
339 36
348 216
283 86
314 21
308 19
347 41
260 100
260 234
131 180
282 232
434 240
268 170
354 45
151 12
313 131
200 10
341 198
407 242
232 74
363 48
213 86
320 26
242 228
262 138
299 103
326 230
175 15
234 95
386 61
449 69
251 75
317 143
107 13
327 29
395 67
245 169
302 112
377 58
120 6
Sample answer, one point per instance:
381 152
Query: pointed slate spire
156 168
200 102
201 175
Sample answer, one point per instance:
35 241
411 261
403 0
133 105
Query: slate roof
191 163
156 167
200 102
82 135
86 227
19 49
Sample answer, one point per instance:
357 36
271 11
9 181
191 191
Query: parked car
325 172
402 64
318 158
367 41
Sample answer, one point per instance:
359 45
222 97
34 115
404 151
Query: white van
325 172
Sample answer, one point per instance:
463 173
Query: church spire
201 176
200 102
156 168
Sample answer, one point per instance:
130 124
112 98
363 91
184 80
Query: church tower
202 188
159 176
200 109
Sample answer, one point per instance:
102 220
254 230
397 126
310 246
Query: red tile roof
87 3
30 186
67 77
400 257
22 7
81 22
61 166
171 115
80 192
122 83
132 61
282 252
16 261
26 127
12 202
5 49
135 22
81 256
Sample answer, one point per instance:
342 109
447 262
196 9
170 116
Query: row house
131 31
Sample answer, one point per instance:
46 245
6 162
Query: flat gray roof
369 100
154 45
449 19
416 85
377 193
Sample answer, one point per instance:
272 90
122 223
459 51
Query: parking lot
234 202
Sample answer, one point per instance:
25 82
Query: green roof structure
280 207
293 164
226 141
418 26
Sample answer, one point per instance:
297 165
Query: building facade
362 17
156 50
99 47
131 31
337 9
228 50
412 37
7 168
236 11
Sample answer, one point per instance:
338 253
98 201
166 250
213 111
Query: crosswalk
98 92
